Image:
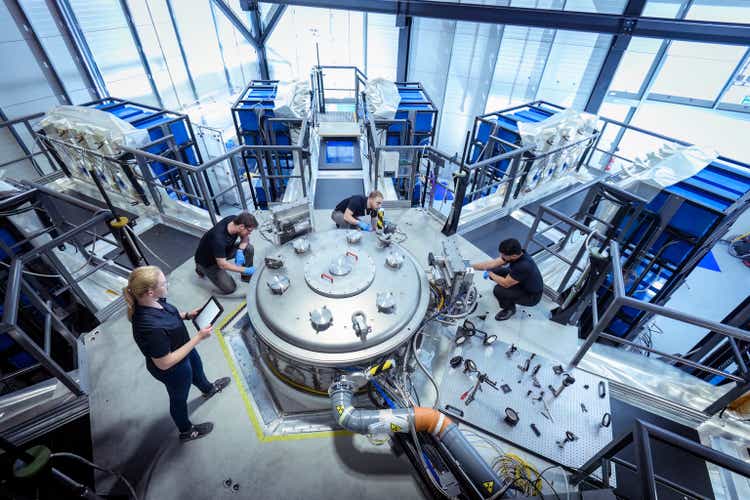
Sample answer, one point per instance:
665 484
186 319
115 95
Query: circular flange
282 323
353 236
339 275
278 284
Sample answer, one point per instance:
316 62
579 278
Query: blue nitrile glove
239 258
249 271
364 226
486 275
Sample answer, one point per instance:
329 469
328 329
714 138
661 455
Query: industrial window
738 93
601 6
430 52
103 24
663 8
382 46
520 66
195 22
54 45
635 64
475 50
240 56
292 46
572 68
726 11
160 46
684 60
724 131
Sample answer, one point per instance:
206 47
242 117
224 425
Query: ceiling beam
673 29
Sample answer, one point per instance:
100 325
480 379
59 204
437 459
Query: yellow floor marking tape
246 397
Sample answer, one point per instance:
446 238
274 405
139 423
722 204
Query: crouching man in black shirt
347 213
227 241
518 280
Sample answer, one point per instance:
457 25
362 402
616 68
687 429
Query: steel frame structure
60 232
621 299
641 437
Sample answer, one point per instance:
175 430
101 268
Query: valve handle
356 257
327 277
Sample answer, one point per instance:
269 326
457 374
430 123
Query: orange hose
426 419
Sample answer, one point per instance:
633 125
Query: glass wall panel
572 67
292 46
726 11
54 45
686 60
382 46
724 131
635 65
201 46
103 24
520 66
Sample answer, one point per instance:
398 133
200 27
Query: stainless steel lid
337 278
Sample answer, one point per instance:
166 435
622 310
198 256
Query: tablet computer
208 314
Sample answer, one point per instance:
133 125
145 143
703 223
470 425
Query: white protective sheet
666 168
97 129
292 99
382 98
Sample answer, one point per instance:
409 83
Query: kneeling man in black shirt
347 213
226 248
518 280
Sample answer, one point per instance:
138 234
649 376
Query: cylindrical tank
333 301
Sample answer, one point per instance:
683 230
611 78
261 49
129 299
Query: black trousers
509 297
220 278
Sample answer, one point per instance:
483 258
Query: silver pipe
401 420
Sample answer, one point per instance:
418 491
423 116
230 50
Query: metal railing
648 480
318 82
36 153
57 287
621 299
584 221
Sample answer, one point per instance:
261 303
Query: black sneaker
197 432
505 314
218 386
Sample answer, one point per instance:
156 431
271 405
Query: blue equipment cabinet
160 123
681 224
503 125
419 111
256 124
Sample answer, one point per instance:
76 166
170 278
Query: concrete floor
133 433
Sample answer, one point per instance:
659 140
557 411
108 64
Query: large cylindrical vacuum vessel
331 301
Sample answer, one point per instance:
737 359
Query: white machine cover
94 125
292 99
382 98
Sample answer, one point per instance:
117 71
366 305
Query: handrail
641 436
620 299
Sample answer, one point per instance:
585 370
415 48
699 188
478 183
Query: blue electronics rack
160 123
680 226
413 125
419 111
256 124
503 125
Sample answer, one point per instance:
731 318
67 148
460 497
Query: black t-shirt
357 204
158 331
524 271
217 243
